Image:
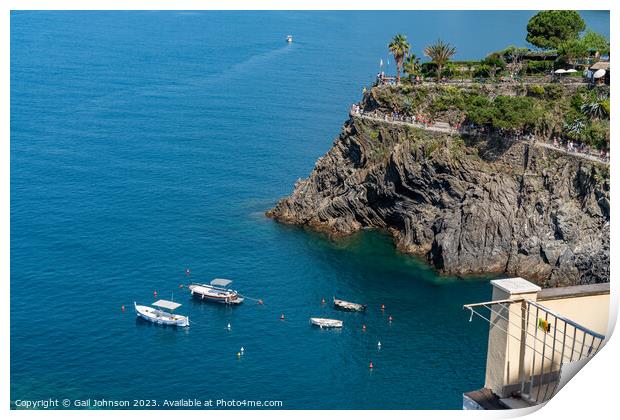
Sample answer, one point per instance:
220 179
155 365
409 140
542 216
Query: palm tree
440 53
411 65
399 47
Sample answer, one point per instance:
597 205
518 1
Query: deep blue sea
145 143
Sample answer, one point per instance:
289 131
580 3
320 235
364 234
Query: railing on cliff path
425 123
528 80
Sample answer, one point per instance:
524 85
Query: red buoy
260 301
390 318
282 317
155 293
370 366
363 327
382 307
180 286
323 301
122 308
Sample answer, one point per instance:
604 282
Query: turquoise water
143 143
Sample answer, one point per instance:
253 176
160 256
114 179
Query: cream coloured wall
589 311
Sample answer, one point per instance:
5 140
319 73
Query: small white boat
159 316
289 38
326 322
348 306
216 291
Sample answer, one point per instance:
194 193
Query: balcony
538 339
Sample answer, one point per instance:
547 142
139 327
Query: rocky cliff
468 205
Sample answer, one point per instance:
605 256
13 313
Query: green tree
496 62
549 28
482 70
411 65
440 54
573 50
399 47
596 42
597 134
514 56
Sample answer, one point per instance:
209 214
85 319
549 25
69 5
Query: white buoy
379 344
242 350
228 326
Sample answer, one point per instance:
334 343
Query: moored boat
157 315
348 306
289 38
216 291
326 322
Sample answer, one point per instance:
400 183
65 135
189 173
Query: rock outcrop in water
467 205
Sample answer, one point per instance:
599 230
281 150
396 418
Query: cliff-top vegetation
543 107
549 110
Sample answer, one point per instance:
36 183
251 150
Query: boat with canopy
159 315
216 291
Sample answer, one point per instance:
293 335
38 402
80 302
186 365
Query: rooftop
600 65
573 291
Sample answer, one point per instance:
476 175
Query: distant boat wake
252 61
232 72
237 70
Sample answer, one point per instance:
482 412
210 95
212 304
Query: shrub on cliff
542 67
505 112
536 91
554 91
495 62
551 92
597 134
482 70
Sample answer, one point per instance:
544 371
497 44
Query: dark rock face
468 206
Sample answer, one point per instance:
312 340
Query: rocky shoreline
467 205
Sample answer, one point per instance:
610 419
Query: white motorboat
348 306
216 291
157 315
326 322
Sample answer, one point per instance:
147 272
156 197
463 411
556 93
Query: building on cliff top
538 340
603 67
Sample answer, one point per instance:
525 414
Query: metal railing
548 341
499 80
425 123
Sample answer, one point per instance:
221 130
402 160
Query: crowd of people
382 80
426 122
420 120
582 148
